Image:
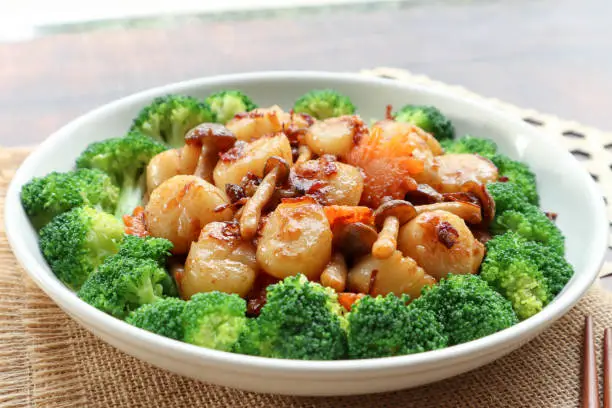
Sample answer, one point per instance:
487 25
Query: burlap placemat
47 360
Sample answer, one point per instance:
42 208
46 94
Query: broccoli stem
130 196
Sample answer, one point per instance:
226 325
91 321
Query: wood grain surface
550 55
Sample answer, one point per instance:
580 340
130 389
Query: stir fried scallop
170 163
396 274
181 206
252 125
219 260
328 181
296 238
335 136
250 158
332 163
441 243
455 170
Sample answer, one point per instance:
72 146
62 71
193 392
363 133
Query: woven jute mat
47 360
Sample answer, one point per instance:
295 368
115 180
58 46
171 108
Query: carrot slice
135 223
347 300
348 214
387 157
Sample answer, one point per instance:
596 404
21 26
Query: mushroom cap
211 134
424 194
354 239
402 210
276 162
487 204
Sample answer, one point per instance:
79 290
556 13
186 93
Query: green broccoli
467 308
46 197
509 268
76 242
214 320
518 173
526 273
532 224
385 326
168 118
226 104
507 196
125 160
324 103
300 320
163 317
157 249
515 213
122 284
470 144
428 118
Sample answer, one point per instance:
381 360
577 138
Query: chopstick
607 388
590 392
590 381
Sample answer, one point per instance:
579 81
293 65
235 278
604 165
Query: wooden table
551 55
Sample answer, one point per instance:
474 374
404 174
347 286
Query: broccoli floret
46 197
300 320
76 242
428 118
122 284
324 103
157 249
507 196
164 317
532 224
555 268
214 320
512 249
510 269
515 213
226 104
125 160
467 308
385 326
519 174
168 118
527 273
470 144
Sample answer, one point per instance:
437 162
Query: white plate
564 185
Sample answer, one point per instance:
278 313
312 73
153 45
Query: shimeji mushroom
390 216
335 273
276 173
353 234
211 139
470 212
304 154
424 194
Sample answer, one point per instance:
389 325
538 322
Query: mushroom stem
251 213
206 163
387 239
335 273
304 154
469 212
238 213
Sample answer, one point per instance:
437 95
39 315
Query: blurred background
61 58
